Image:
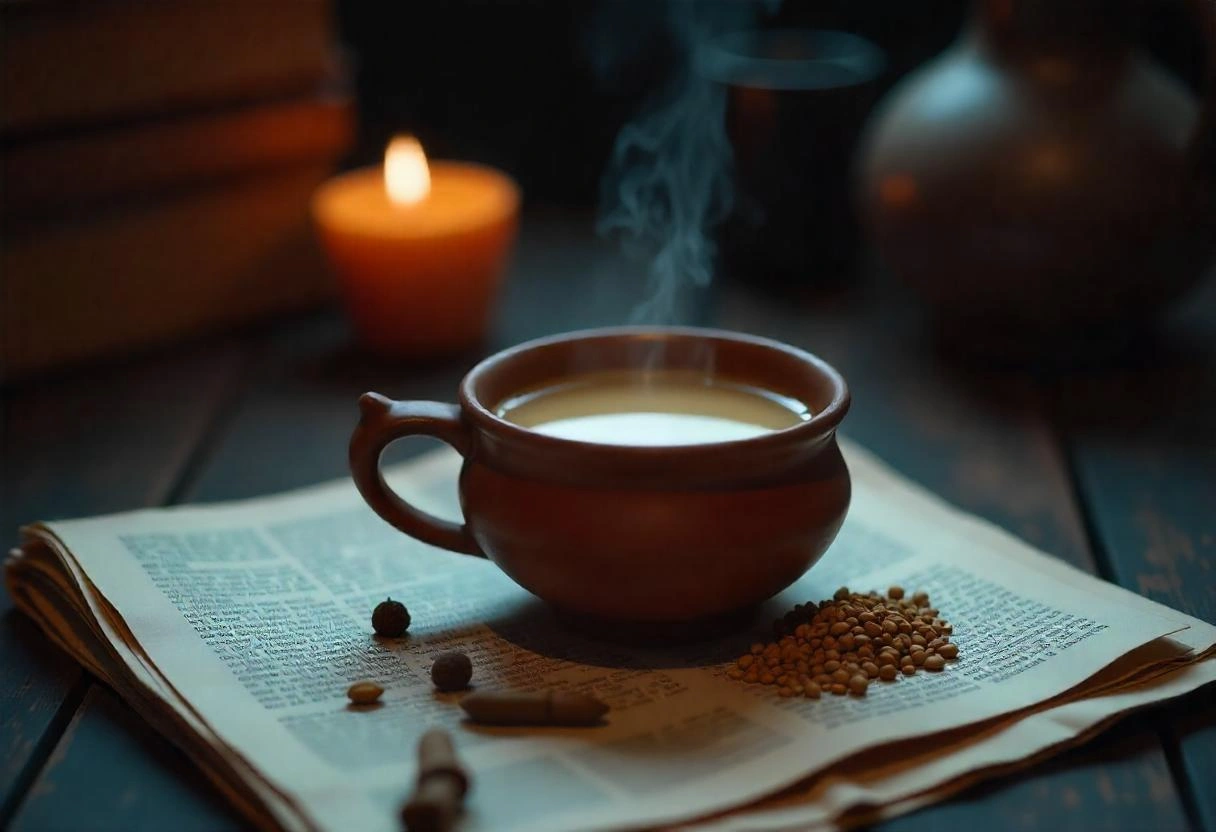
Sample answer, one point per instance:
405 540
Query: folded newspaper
236 629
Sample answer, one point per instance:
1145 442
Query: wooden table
1113 470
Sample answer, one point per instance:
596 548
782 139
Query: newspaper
236 628
890 781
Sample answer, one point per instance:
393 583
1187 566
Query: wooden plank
109 439
1144 446
112 439
42 688
294 419
982 440
1101 786
1143 443
1194 738
73 792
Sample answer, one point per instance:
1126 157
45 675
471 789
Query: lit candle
419 248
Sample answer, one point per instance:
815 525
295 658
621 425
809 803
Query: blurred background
542 88
158 158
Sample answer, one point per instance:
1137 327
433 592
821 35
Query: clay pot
619 534
1042 176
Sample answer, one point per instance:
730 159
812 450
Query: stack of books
156 163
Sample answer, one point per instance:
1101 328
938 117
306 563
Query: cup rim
821 424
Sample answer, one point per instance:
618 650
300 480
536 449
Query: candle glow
418 248
407 177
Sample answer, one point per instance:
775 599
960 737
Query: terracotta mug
654 538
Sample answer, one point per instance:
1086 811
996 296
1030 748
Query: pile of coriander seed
840 646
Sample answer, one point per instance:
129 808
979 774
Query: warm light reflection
1049 162
897 190
406 175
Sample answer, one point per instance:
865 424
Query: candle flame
406 175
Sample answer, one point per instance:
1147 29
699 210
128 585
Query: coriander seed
842 644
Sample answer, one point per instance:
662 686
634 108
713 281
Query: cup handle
383 421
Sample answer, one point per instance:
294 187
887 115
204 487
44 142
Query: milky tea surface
667 407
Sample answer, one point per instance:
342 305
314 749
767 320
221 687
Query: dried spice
451 671
843 644
390 619
364 693
546 707
439 791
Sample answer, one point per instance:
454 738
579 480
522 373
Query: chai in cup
650 483
652 408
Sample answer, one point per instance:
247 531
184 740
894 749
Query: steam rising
669 180
670 171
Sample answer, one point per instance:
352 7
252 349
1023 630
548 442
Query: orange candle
419 249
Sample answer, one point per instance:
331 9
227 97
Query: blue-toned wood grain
86 443
42 688
1121 781
1142 438
145 783
1194 737
1144 446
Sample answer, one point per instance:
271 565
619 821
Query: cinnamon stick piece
442 783
539 708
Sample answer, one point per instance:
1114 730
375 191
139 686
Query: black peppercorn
390 619
451 671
